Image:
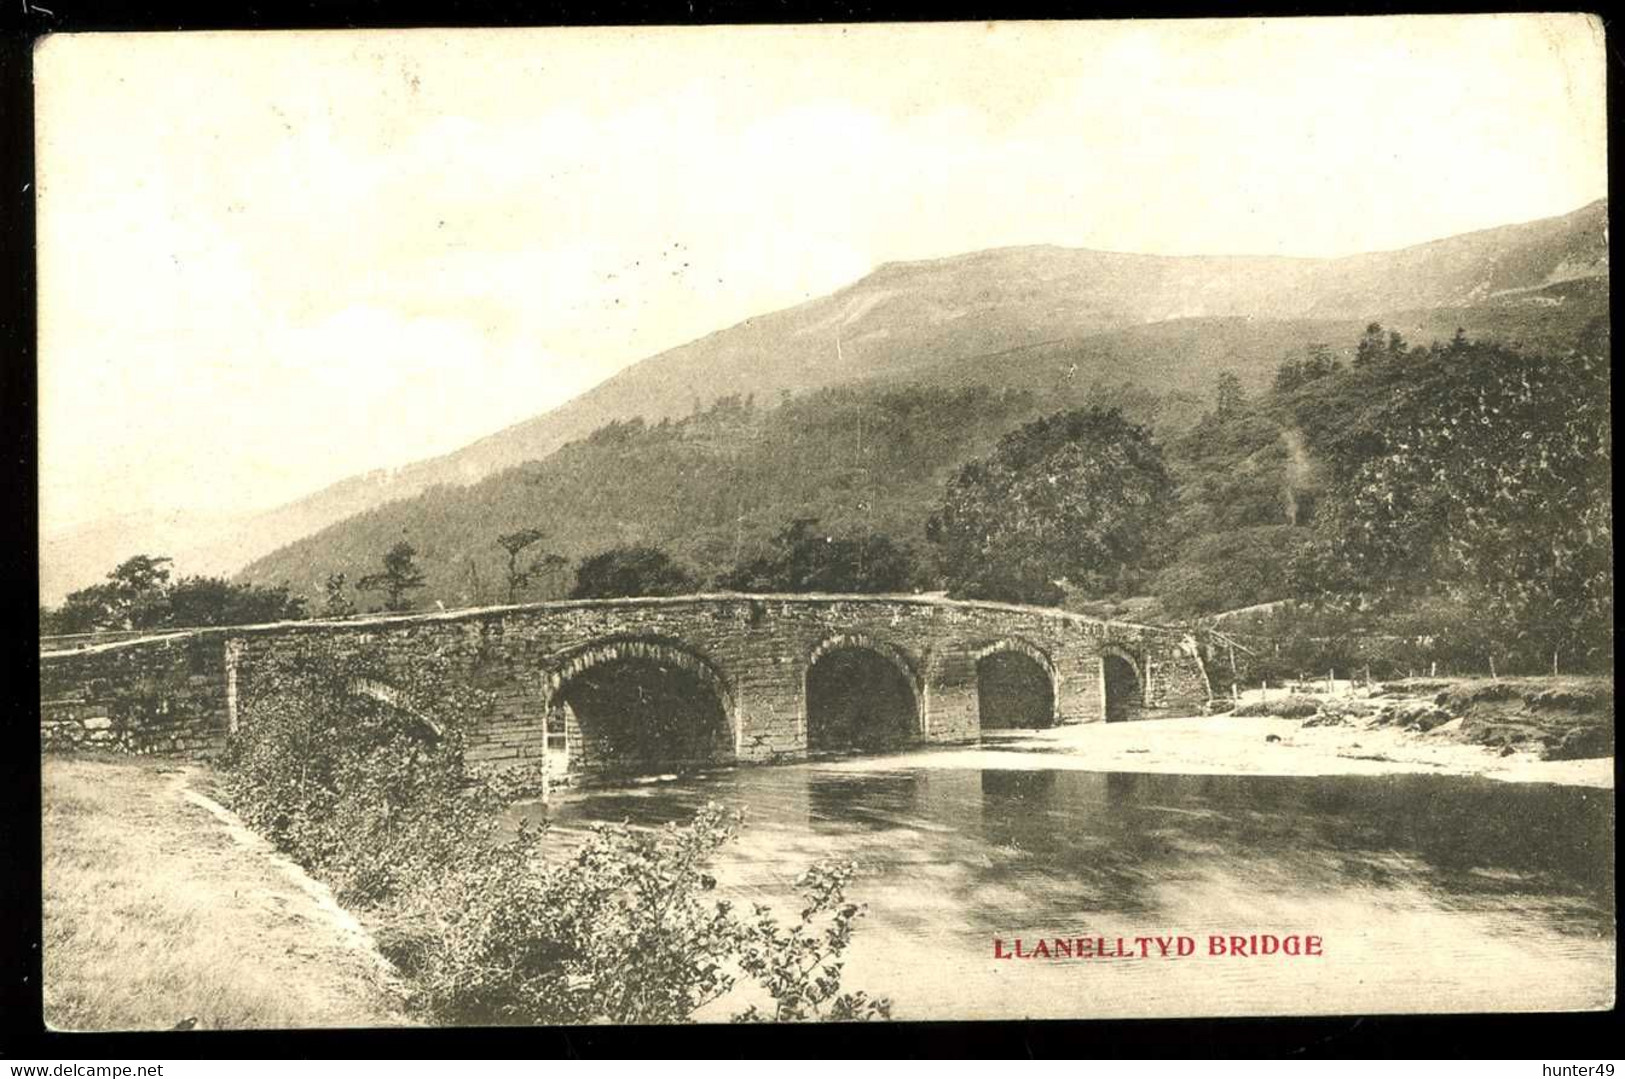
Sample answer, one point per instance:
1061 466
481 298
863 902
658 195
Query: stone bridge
629 685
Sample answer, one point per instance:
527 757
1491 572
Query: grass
155 916
1282 707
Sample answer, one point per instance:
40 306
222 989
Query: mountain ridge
1037 303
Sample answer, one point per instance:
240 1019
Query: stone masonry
178 693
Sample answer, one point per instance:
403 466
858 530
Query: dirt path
162 909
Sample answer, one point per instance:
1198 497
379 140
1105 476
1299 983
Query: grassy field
158 913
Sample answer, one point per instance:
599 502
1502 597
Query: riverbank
163 911
1357 743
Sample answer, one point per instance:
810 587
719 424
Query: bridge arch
1122 684
1016 685
565 665
633 704
859 692
428 731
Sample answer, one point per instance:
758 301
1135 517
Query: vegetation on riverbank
1568 718
369 790
155 918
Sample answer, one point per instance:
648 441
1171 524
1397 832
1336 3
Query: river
1426 892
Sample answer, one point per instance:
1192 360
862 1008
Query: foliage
1229 399
520 577
806 559
1373 348
1078 495
400 577
801 967
625 929
139 594
339 604
1292 641
1293 707
711 489
631 571
1488 483
132 598
367 787
1228 570
1316 363
362 785
215 601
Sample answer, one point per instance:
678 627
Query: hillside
710 487
715 486
1048 319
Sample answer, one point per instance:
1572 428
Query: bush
365 785
625 930
1283 708
631 571
362 784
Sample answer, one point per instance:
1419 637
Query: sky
271 261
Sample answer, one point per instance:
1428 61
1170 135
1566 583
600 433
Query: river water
1427 893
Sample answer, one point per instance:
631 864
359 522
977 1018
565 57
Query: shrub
357 771
625 929
365 785
1284 708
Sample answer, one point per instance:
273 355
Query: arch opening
639 715
1120 688
858 698
1013 690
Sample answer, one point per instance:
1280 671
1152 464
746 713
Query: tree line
1463 476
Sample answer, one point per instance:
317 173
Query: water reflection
1432 892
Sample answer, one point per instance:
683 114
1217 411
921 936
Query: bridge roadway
643 684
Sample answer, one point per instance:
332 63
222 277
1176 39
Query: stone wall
754 652
164 695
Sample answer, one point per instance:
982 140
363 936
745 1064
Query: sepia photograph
824 523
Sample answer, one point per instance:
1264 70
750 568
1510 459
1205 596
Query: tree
87 610
338 604
215 601
1229 399
515 544
1371 348
631 571
1317 363
400 576
1224 570
1078 496
548 568
139 595
805 559
134 597
1489 484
